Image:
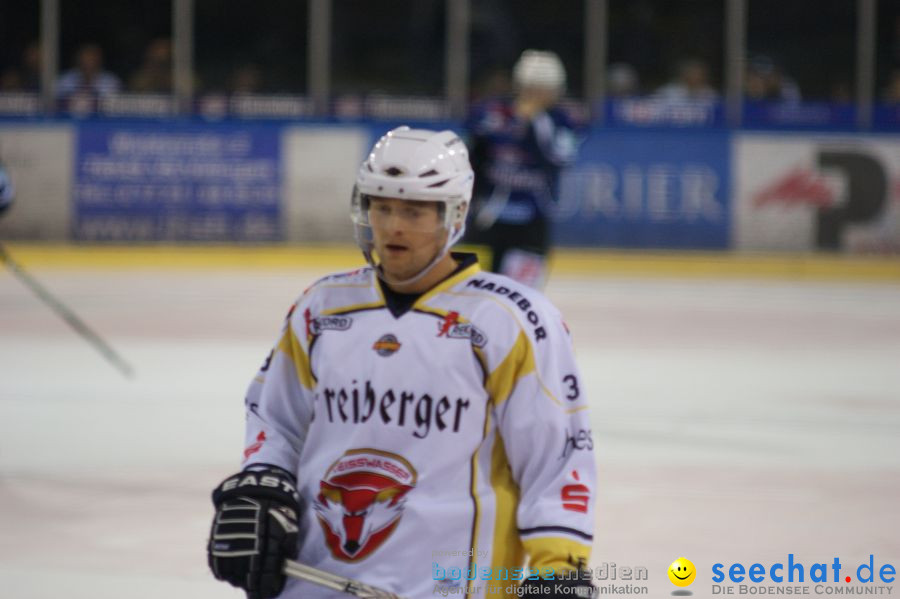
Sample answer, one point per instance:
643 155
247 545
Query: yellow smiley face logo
682 572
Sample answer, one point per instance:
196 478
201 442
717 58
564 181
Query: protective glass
409 215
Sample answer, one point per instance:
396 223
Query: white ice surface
733 421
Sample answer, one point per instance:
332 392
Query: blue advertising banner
799 115
664 112
177 183
647 189
886 117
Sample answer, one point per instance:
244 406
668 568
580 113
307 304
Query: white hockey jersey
436 449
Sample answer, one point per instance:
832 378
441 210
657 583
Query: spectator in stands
841 92
891 92
155 74
691 83
494 83
88 77
894 45
622 81
11 80
765 80
31 67
246 79
26 77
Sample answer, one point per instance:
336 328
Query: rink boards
111 181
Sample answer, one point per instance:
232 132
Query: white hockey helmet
420 165
540 68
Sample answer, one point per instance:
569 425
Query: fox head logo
360 501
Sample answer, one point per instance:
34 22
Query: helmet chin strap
451 239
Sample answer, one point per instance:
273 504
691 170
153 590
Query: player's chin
398 257
395 268
400 270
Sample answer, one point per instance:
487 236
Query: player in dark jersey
518 147
7 192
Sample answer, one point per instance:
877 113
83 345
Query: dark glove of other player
254 530
568 588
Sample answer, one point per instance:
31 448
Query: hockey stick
333 581
490 211
66 314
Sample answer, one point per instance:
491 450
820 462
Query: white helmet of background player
540 69
415 164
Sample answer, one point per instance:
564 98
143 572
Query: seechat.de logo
794 571
792 576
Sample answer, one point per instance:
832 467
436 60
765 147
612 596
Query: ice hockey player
519 145
420 425
7 191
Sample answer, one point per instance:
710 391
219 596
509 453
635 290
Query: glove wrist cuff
271 483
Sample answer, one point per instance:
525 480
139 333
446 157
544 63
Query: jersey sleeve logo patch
253 448
387 345
315 325
361 499
452 328
575 497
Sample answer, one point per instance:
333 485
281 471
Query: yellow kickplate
564 262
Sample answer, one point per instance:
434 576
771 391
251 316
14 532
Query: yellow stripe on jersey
482 359
346 286
476 517
508 551
517 363
352 308
290 345
447 284
558 553
437 312
517 347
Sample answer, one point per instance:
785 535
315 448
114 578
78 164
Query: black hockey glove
568 588
254 530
